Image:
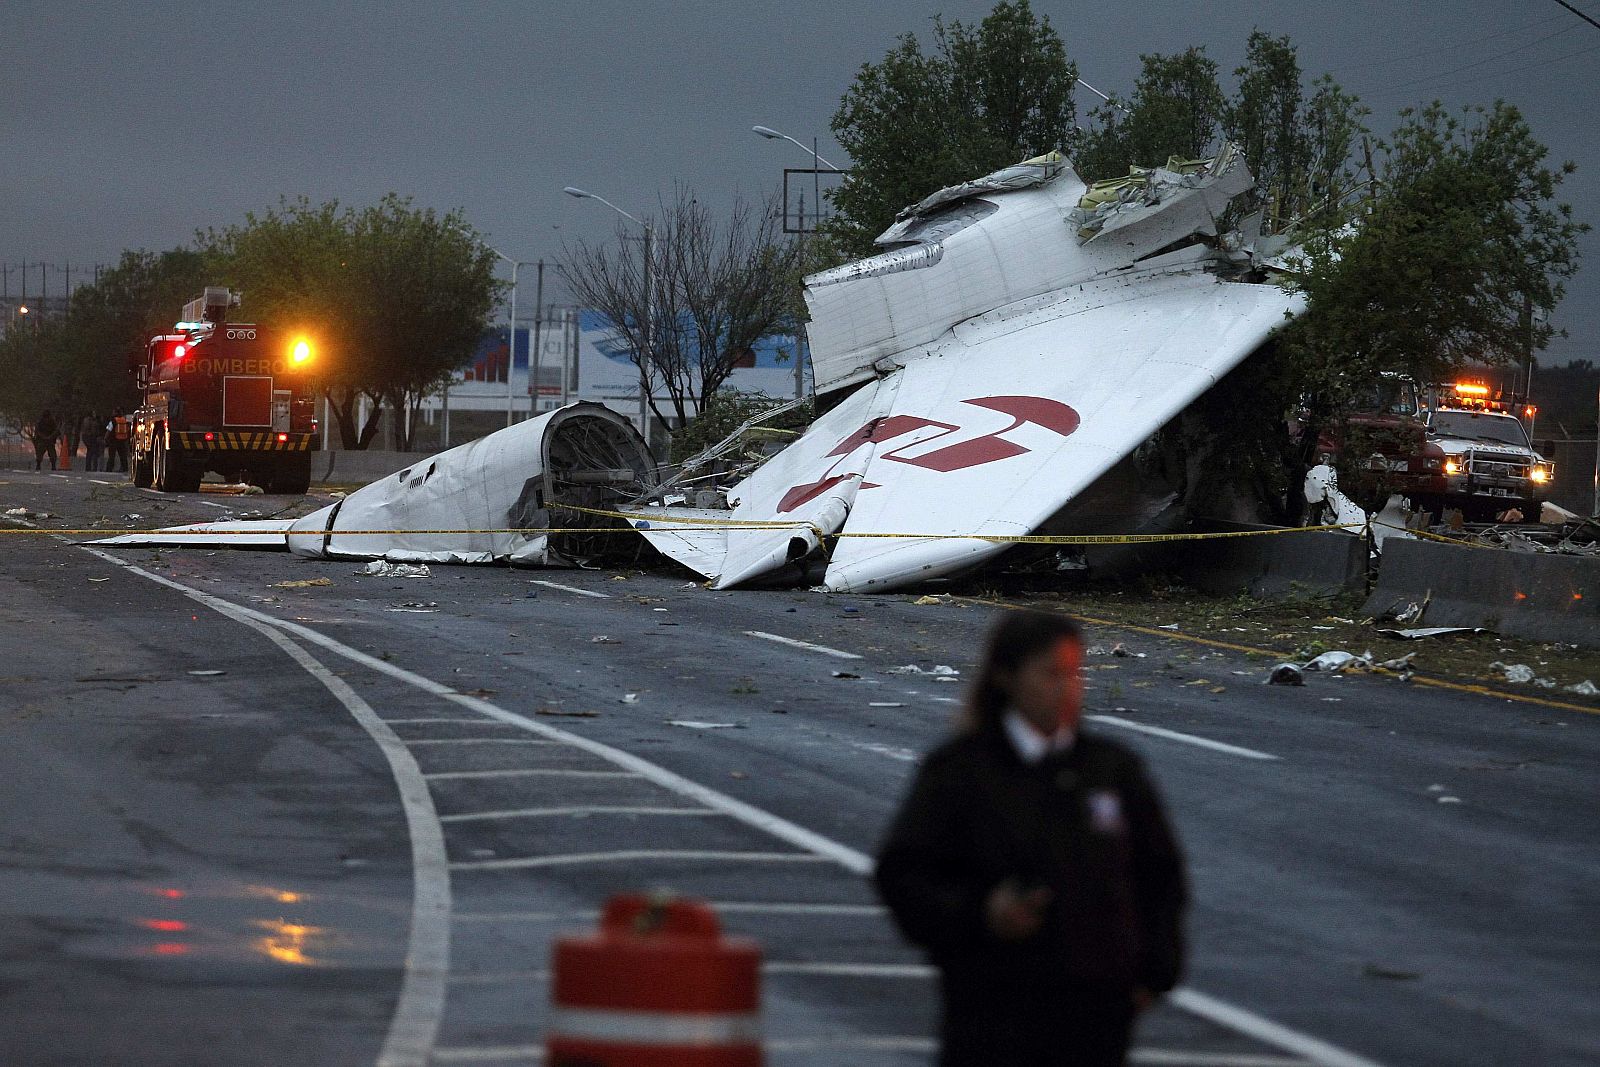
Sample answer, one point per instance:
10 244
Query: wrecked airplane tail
525 494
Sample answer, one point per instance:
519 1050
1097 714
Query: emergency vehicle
230 397
1490 466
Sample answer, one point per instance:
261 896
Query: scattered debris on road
382 568
1286 674
302 583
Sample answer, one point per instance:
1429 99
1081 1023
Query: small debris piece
382 568
1339 660
302 583
940 671
1168 626
1449 800
885 704
1219 689
846 674
1584 688
1286 674
737 774
695 724
1432 631
1401 664
604 639
207 674
630 698
558 713
930 599
617 578
1516 673
99 579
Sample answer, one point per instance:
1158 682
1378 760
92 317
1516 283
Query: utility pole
533 357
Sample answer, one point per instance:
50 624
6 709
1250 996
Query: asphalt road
357 842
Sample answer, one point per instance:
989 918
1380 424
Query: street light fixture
511 335
649 303
817 163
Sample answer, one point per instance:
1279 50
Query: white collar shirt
1032 746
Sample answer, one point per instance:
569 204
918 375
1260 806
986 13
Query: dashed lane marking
527 772
1174 735
457 722
807 645
785 1046
588 809
478 741
569 589
575 859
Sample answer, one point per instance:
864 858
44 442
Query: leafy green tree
80 364
396 298
985 97
1298 148
1461 248
1176 110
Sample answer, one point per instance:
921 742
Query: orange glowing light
170 948
1522 596
1471 389
287 942
171 894
167 926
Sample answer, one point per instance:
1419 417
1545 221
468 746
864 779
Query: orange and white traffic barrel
657 986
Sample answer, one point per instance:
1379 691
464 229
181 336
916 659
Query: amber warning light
1471 389
300 352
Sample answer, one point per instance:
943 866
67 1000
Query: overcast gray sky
134 125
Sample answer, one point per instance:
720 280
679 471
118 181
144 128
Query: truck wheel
172 475
292 478
143 470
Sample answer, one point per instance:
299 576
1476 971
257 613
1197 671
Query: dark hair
1015 639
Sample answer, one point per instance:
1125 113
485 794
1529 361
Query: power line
1446 48
1468 66
1491 74
1580 14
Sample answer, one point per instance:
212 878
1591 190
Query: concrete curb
1537 595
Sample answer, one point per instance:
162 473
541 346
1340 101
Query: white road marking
458 722
479 741
1171 1057
783 1046
528 772
1188 739
102 481
489 1054
573 859
414 1026
721 907
590 809
852 970
904 755
214 504
850 859
569 589
1266 1031
807 645
751 907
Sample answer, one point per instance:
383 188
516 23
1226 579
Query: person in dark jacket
1033 862
45 432
93 432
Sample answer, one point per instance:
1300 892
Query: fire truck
230 397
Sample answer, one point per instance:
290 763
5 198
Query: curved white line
414 1026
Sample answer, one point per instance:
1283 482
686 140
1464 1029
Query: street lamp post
649 304
817 163
511 338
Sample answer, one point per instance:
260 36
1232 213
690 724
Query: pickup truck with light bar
1490 467
234 398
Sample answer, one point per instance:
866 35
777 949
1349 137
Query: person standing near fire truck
118 432
45 432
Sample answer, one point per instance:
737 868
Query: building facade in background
577 359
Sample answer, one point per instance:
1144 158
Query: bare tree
712 292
